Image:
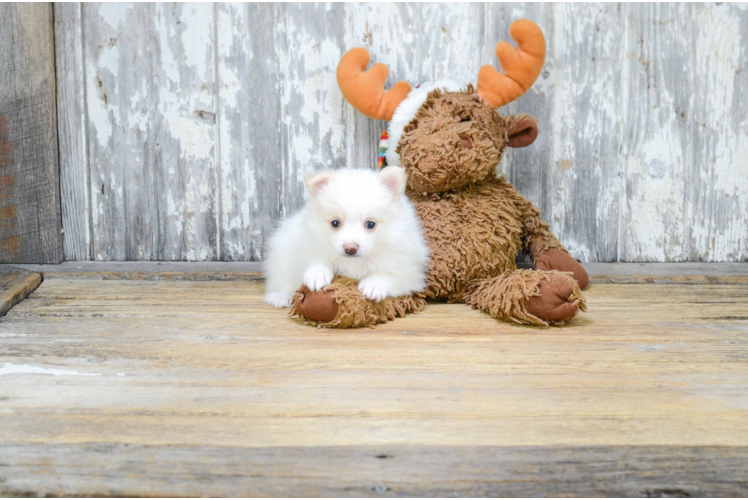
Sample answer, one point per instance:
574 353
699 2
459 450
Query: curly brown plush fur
358 311
463 144
475 223
476 232
506 296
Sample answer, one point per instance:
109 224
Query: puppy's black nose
350 248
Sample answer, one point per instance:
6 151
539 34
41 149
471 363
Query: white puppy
357 223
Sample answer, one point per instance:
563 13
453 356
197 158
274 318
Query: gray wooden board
15 285
280 113
150 114
718 175
207 118
110 469
654 135
584 124
29 178
75 184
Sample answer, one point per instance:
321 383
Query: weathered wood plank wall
30 229
186 129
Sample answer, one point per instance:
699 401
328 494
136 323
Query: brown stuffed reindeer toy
450 139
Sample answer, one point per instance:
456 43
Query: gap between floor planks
730 273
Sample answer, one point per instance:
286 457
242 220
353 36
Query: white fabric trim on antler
407 110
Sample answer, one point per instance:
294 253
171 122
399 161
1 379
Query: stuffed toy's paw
342 305
558 300
318 306
558 260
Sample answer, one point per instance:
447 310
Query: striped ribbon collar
383 143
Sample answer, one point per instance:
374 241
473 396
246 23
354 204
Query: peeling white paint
139 116
195 141
180 107
109 59
723 164
232 45
730 187
98 112
151 104
172 209
197 36
312 99
114 14
656 150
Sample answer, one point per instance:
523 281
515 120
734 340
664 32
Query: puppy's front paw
374 289
279 300
318 277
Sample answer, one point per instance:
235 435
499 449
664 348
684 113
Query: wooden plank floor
132 387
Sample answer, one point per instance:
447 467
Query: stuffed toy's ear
316 181
393 179
522 130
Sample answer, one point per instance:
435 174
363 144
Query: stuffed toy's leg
528 297
341 305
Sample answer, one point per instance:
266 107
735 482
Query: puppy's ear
316 181
393 179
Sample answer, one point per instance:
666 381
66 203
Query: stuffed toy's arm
536 234
546 251
537 238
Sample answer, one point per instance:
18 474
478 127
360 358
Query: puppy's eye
335 224
370 224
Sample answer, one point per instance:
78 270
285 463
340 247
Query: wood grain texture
117 470
187 388
151 116
15 285
655 132
75 185
281 113
250 133
30 228
641 155
584 186
718 177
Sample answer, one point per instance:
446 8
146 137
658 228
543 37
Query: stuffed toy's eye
335 224
370 224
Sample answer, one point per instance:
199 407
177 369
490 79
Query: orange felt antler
365 90
521 66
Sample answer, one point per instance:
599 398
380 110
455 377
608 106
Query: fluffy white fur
407 110
391 259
